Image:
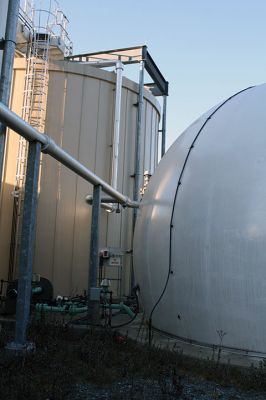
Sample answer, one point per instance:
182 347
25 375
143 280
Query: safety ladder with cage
33 111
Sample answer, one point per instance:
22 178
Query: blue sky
206 49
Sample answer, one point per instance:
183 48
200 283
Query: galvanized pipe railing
17 124
42 142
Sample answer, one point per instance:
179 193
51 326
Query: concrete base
138 330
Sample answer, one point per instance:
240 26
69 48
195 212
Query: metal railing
41 142
17 124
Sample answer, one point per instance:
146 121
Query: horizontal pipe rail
17 124
89 199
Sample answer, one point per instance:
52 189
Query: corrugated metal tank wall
9 173
80 112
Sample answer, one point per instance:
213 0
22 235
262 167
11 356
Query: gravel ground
187 389
71 365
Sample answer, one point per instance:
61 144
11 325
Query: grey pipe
138 137
136 189
99 63
94 245
107 203
89 199
16 123
164 126
116 137
7 68
108 207
27 245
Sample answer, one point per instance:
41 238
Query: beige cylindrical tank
9 173
79 117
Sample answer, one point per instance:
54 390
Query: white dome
200 239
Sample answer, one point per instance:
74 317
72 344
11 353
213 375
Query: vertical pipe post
164 125
7 69
94 250
27 246
138 139
137 174
116 138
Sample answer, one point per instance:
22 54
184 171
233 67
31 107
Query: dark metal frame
130 55
158 87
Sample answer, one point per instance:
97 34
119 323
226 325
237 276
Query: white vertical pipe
116 138
139 132
164 126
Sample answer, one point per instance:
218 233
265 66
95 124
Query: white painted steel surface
217 277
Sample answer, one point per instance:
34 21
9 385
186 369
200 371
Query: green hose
121 307
73 309
45 308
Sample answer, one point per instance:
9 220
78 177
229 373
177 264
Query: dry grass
64 358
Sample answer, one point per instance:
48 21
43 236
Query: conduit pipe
136 191
13 121
119 68
116 139
164 126
99 63
106 199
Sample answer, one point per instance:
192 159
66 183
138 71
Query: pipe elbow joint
129 203
49 144
119 65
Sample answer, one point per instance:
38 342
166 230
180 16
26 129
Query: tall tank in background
80 117
41 37
199 246
76 102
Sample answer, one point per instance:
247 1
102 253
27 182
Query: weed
65 359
